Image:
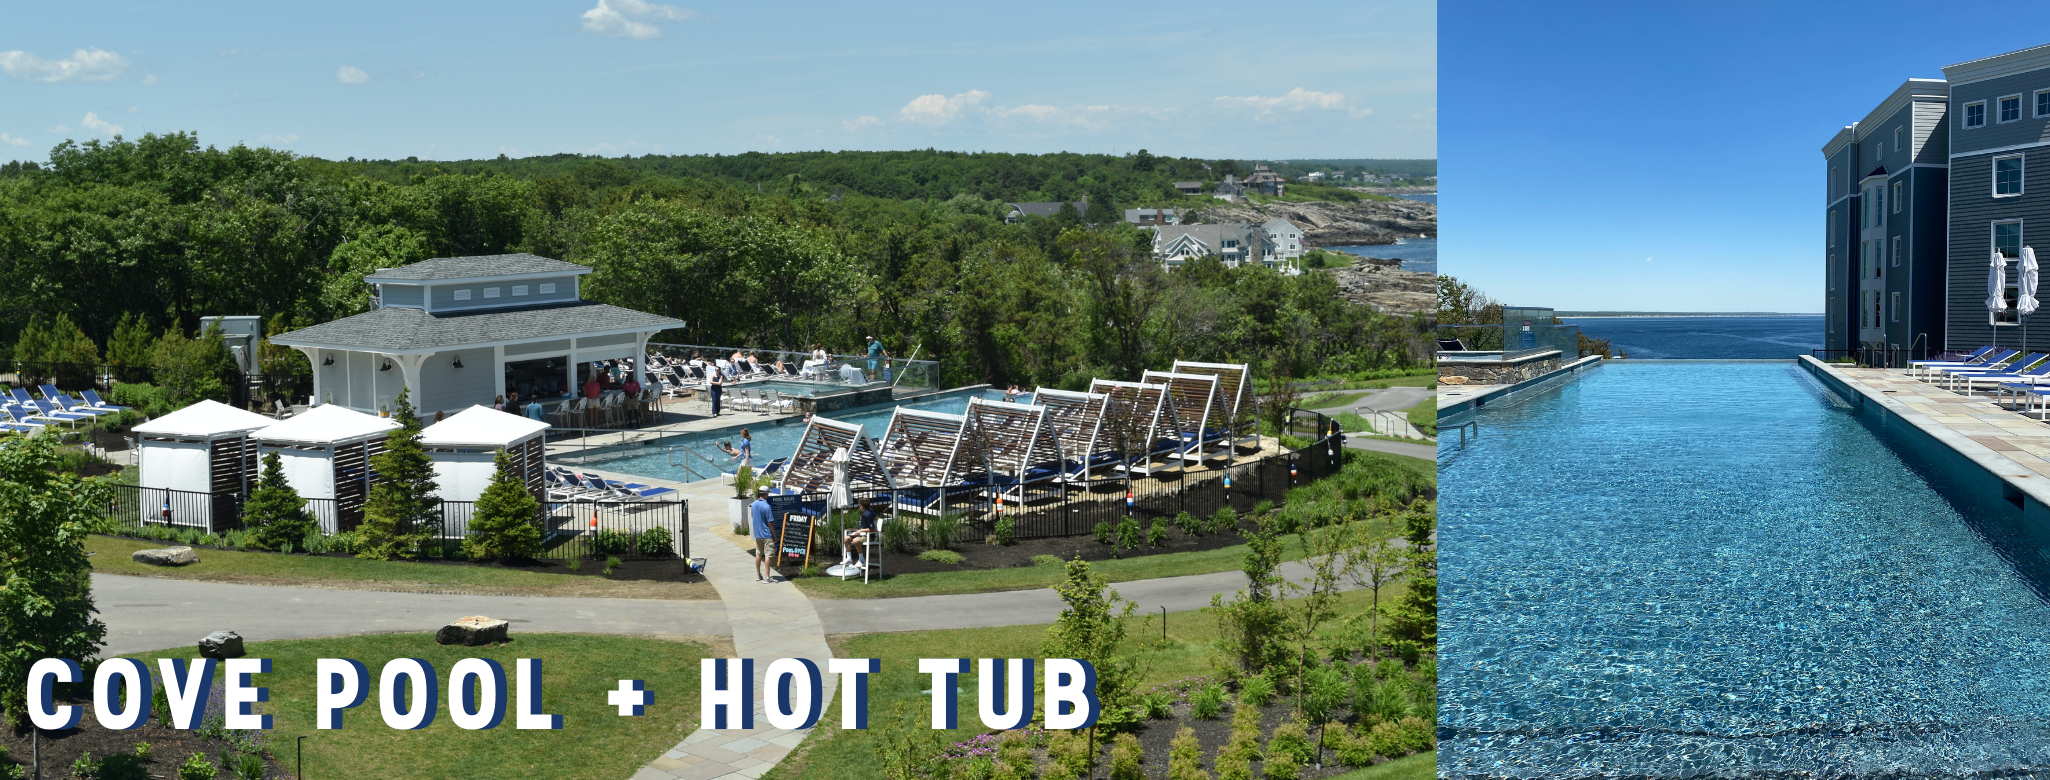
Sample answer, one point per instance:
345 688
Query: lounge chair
2019 375
2007 371
92 397
1451 345
66 403
628 490
1977 356
1931 371
51 412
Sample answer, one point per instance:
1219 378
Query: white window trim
1964 116
1897 139
461 295
1896 252
1897 197
2017 109
1994 180
1893 307
2037 96
1991 316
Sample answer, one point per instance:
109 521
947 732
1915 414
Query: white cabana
202 449
326 453
462 448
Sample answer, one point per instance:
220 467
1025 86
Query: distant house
1286 240
1235 243
1266 182
1022 210
1189 187
1144 217
1229 189
1312 176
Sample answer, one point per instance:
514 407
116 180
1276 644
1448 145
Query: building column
641 358
409 368
312 358
498 371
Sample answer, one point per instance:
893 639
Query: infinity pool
1712 569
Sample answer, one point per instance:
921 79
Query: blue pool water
771 440
1680 569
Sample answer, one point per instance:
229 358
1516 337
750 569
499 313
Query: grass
1032 577
831 754
112 555
1425 416
1328 400
1422 766
594 741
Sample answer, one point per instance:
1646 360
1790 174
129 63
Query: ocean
1416 254
1427 197
1706 338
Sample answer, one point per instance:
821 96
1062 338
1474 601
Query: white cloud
287 138
233 52
860 122
939 109
1297 99
134 110
94 123
352 75
416 73
632 19
150 80
82 65
12 141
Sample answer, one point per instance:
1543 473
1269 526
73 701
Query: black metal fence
570 529
242 388
1875 356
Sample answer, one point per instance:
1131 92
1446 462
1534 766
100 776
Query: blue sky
1667 156
454 80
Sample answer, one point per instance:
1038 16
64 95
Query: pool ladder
671 450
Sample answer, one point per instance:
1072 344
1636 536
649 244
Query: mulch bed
980 555
655 569
169 748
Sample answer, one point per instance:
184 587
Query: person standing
875 355
765 543
717 384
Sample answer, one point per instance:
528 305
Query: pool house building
459 331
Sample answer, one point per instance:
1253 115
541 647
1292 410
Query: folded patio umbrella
2025 305
1996 288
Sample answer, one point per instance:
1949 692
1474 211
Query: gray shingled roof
1048 209
439 268
405 330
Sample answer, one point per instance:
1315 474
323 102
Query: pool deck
692 416
2009 445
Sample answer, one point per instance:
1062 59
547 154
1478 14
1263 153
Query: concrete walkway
1424 451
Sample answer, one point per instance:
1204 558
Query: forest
767 251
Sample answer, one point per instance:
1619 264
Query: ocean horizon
1707 336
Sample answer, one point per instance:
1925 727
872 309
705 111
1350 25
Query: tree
1375 565
57 349
1251 628
506 524
128 350
1123 290
191 370
276 515
403 512
46 603
1092 628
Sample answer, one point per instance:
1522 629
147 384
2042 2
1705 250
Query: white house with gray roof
1235 243
458 331
1286 240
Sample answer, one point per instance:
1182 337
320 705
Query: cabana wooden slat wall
1199 413
1076 420
811 468
528 457
352 481
232 470
922 448
1013 438
1234 385
1151 404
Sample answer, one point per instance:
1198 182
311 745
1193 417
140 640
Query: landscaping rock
169 556
221 644
472 631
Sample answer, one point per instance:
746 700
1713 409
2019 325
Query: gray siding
605 341
1934 133
538 349
1972 213
445 388
408 295
1841 165
1994 134
445 294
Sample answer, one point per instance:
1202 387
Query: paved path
145 613
1425 451
1023 607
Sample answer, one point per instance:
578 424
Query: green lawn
594 741
1422 766
112 555
1425 416
1328 400
831 754
1029 578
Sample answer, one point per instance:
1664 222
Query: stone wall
1499 372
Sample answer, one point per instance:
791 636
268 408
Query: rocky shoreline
1339 224
1382 285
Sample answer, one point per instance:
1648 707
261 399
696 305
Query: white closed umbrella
2025 304
1996 290
843 494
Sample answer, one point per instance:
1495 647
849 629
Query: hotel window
2010 109
2042 102
1896 253
1896 139
462 295
2007 176
2007 240
519 290
1894 307
1897 197
1975 114
1832 227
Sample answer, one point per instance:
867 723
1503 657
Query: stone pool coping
1455 400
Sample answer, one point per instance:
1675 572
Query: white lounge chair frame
811 467
1235 387
1198 412
1156 405
1077 423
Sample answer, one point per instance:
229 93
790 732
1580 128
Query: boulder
472 631
169 556
1452 380
221 644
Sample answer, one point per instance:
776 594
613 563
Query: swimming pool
771 439
1668 570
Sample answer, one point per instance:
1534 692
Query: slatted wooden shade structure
1077 423
1014 440
1199 411
1149 409
326 453
202 448
921 448
1235 387
811 468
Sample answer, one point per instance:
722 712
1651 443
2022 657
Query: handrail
670 451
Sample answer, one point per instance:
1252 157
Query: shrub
1188 524
1128 534
574 565
1263 507
249 766
656 542
1185 757
1047 560
1014 758
402 511
1291 739
1157 534
1245 735
1125 758
941 531
142 750
1224 521
1354 749
1400 738
1326 689
146 398
612 562
196 768
897 537
1283 767
1234 768
1208 702
1381 700
941 556
1006 531
1068 755
507 522
1106 533
1256 691
1159 705
609 542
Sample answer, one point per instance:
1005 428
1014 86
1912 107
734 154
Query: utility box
241 335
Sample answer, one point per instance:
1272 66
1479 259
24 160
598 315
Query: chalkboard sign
786 503
793 539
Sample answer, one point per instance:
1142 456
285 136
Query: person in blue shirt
765 544
855 538
875 353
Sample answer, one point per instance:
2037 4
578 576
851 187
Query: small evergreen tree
46 603
403 512
128 351
275 515
506 523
